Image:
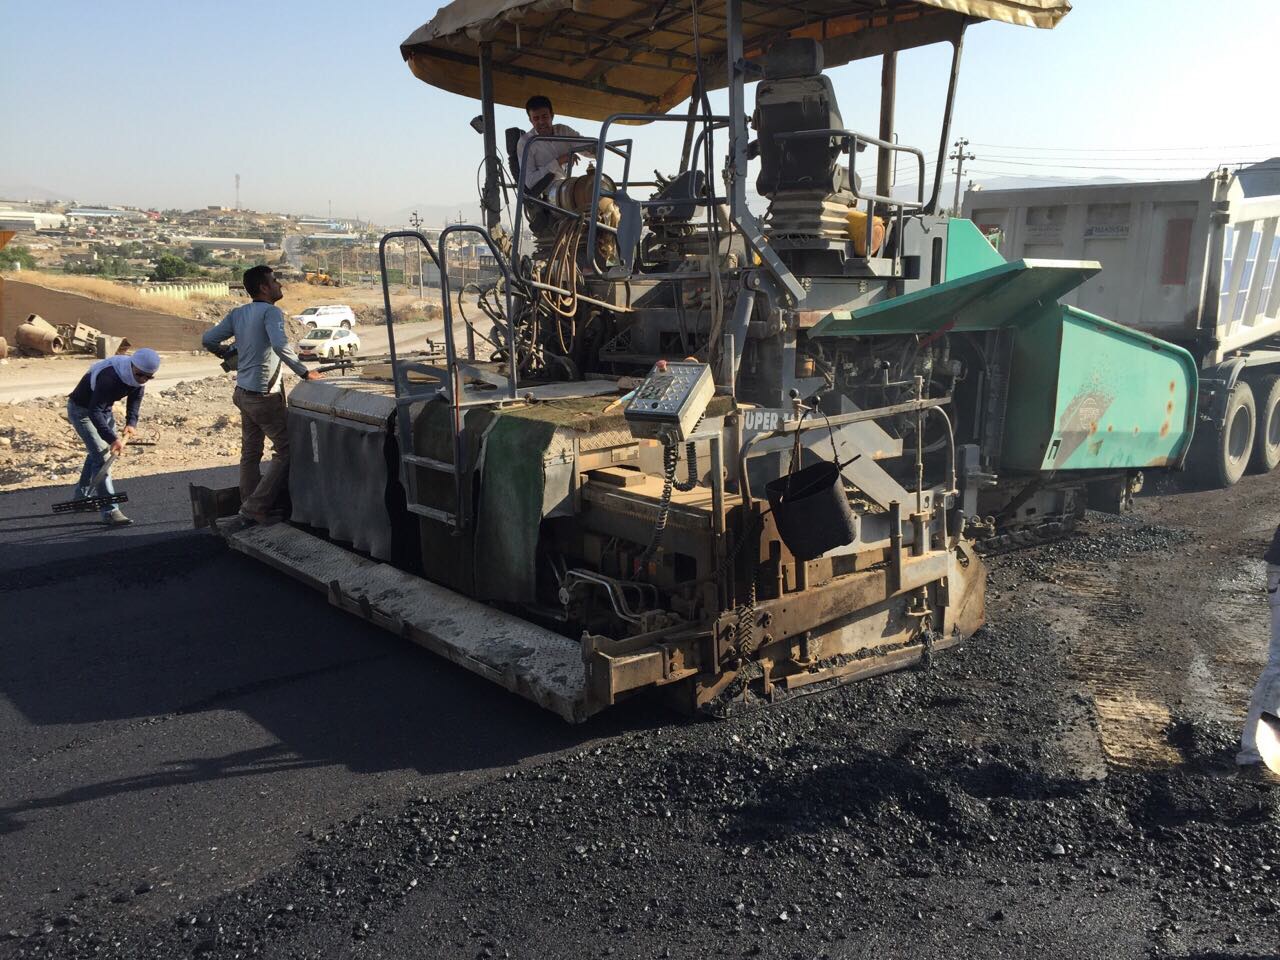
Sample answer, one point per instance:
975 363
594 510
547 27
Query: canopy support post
695 103
957 47
741 216
489 199
888 96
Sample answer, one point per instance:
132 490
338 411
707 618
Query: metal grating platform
536 663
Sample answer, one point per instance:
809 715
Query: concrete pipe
43 340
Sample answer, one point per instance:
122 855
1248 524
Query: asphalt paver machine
679 445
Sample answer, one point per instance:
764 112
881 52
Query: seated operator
548 160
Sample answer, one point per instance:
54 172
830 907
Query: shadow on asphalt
173 624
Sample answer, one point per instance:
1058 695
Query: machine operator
548 160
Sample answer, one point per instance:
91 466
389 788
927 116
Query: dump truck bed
1192 261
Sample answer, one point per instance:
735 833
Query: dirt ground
189 426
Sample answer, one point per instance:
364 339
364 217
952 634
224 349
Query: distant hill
24 192
1027 183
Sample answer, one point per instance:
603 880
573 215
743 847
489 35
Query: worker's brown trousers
262 415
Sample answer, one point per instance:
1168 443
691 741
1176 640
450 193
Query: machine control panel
670 401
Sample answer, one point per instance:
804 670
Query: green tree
200 255
17 257
169 267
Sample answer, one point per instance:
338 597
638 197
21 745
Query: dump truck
1191 261
685 451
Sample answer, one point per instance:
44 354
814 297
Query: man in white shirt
548 160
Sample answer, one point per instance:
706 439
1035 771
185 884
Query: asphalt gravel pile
934 812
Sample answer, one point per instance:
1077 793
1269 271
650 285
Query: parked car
330 315
328 343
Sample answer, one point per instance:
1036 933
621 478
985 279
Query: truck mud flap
529 660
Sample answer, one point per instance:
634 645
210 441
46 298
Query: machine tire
346 325
1266 434
1223 453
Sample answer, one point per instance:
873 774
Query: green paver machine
727 457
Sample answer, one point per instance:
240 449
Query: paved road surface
178 715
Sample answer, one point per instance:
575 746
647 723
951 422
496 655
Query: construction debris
39 338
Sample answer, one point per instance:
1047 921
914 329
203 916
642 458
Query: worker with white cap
89 408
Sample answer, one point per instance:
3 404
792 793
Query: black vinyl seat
795 96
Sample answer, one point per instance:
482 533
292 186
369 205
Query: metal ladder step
444 516
428 462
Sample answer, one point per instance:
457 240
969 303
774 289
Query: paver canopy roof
598 57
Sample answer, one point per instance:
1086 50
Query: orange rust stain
1136 431
1093 428
1110 427
1173 386
1164 429
1168 407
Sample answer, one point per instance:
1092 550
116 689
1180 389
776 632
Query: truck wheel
1266 440
1224 453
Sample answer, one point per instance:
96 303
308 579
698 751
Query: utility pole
959 157
417 225
237 193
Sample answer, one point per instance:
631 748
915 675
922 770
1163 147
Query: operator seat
794 96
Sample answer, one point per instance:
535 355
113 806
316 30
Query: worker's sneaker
1258 773
116 518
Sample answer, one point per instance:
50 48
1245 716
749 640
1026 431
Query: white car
328 343
330 315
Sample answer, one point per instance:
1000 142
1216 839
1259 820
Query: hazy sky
161 103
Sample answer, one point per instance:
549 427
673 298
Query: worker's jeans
97 449
1266 693
262 415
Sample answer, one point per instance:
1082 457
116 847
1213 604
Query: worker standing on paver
1266 692
89 408
260 346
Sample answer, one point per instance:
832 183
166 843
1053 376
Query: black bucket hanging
810 507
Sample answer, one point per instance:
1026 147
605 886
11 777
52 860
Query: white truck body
1190 261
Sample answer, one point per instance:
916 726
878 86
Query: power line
1238 146
1050 164
1207 158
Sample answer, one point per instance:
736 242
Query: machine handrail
453 367
837 420
850 140
521 197
689 118
450 351
396 374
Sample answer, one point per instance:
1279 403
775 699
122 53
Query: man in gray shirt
260 346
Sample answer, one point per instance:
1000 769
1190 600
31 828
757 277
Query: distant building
86 214
29 221
227 243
